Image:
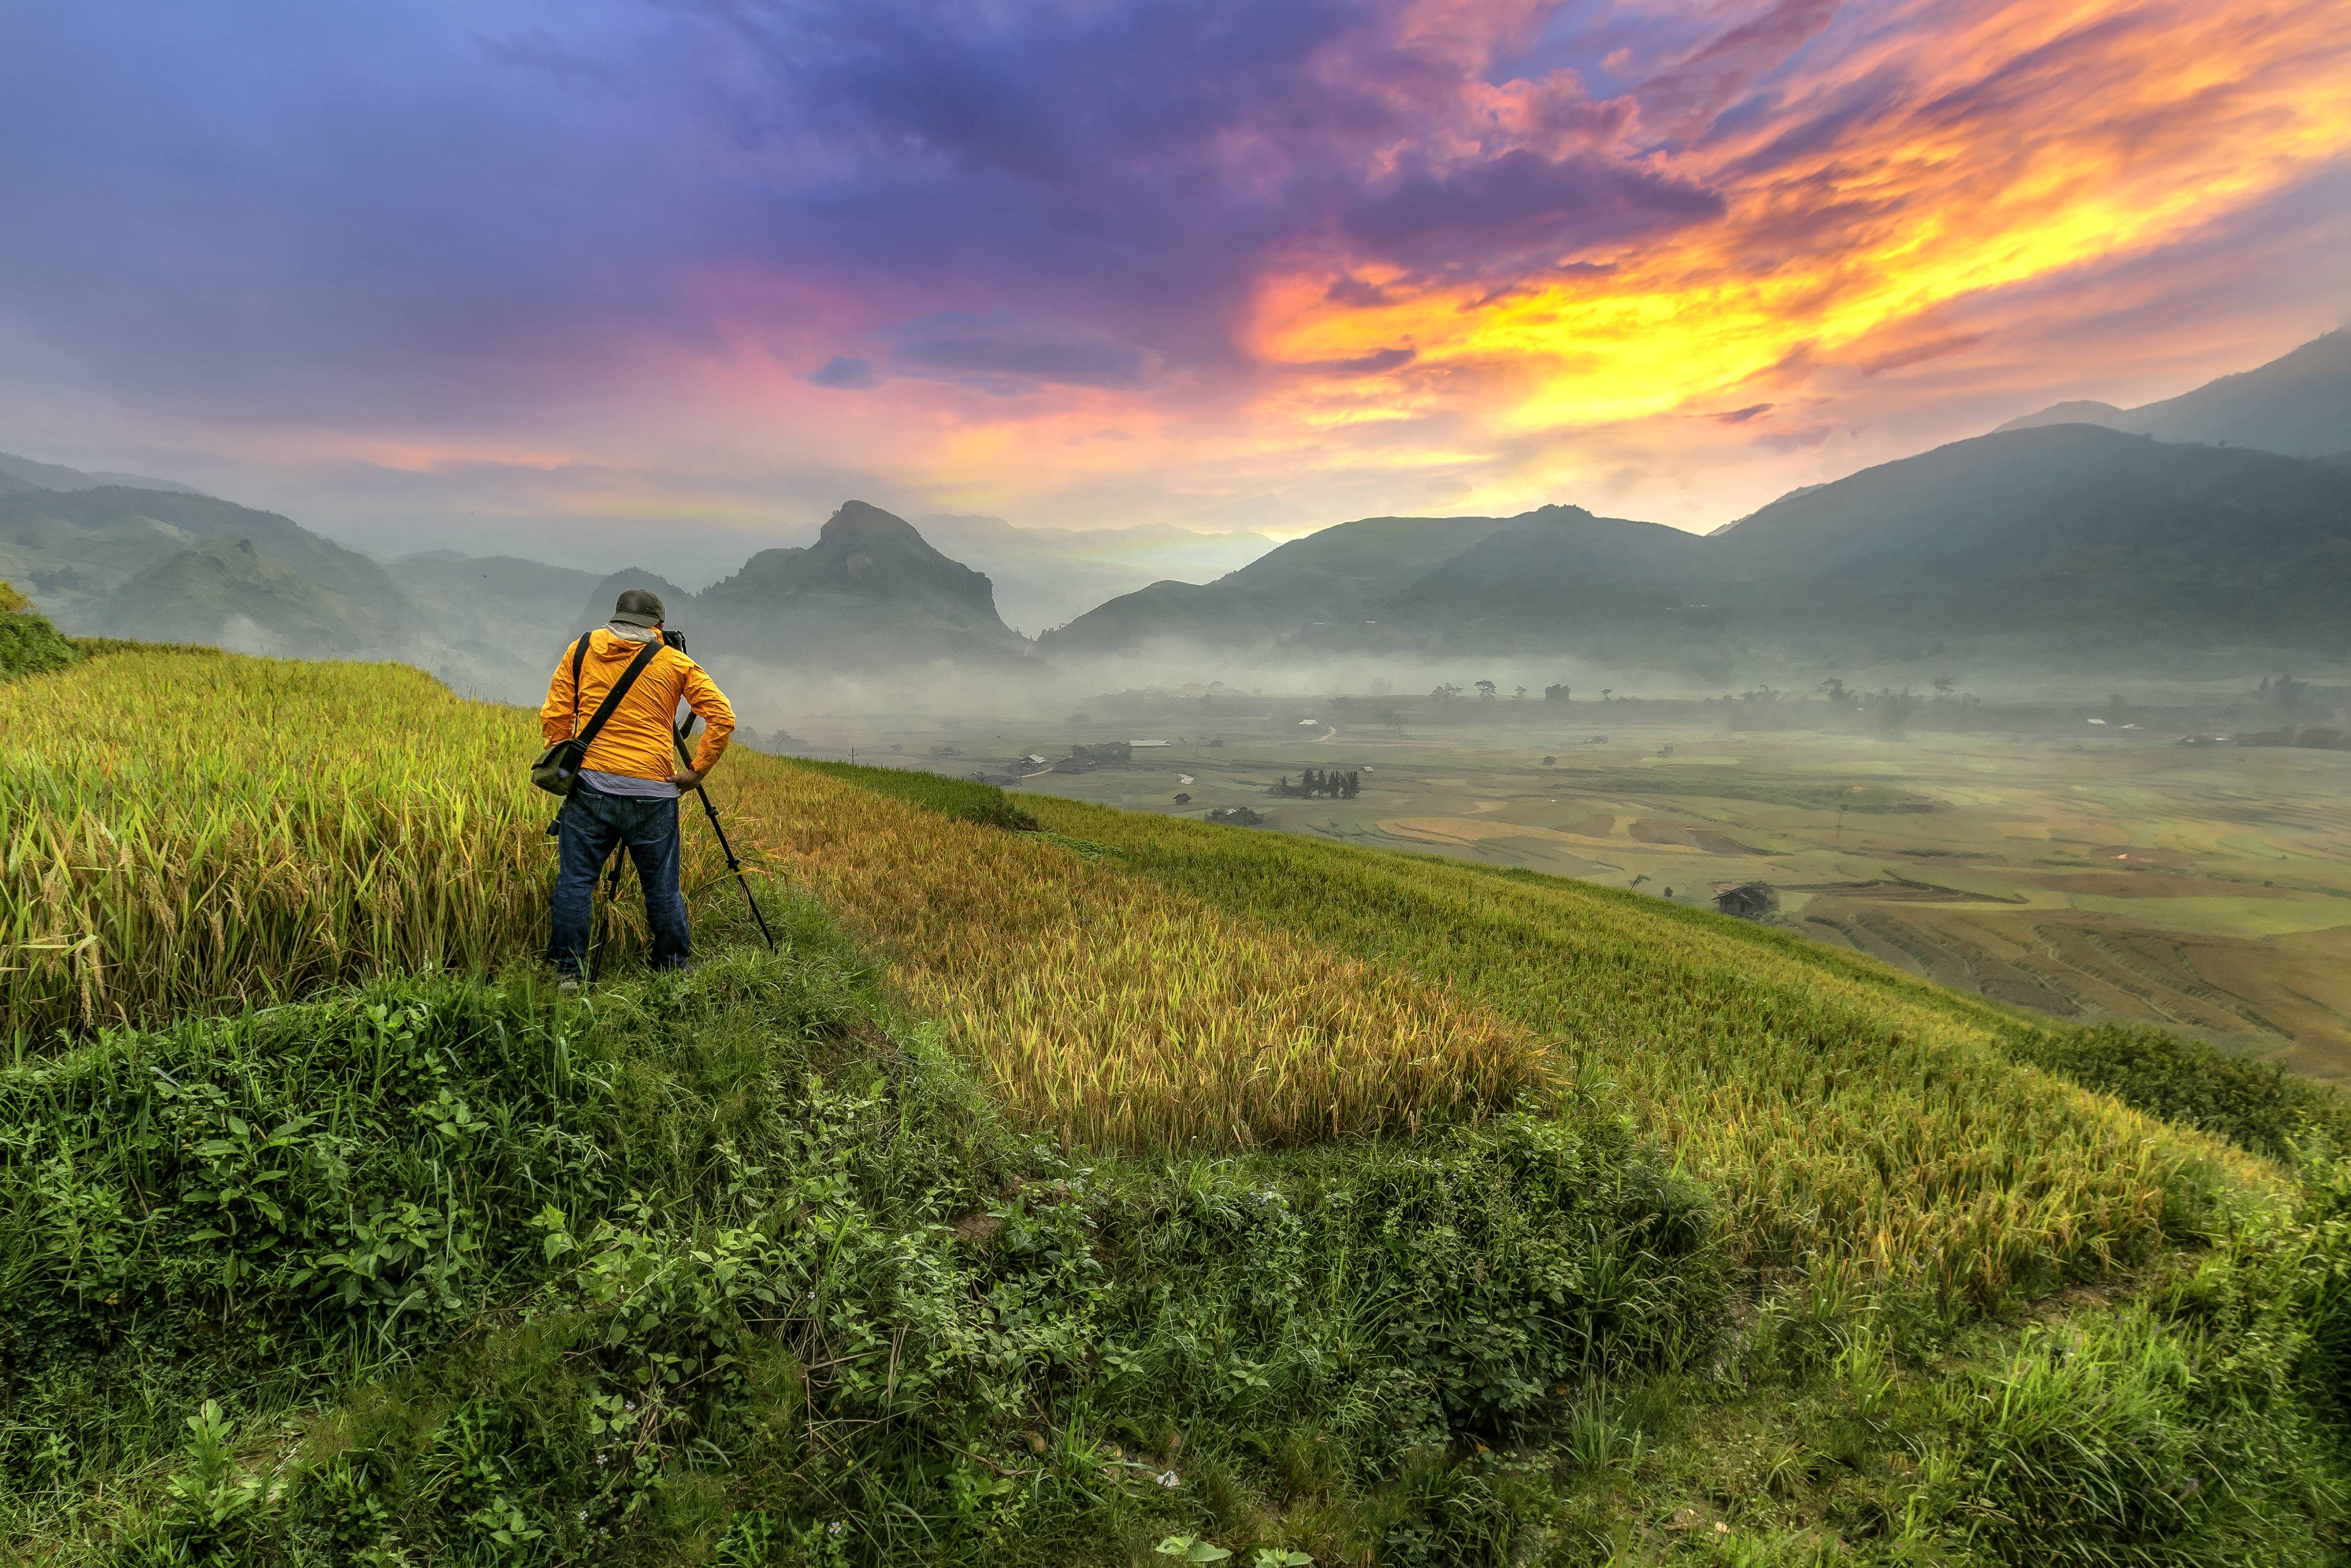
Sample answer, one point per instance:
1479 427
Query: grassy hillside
202 832
1122 1191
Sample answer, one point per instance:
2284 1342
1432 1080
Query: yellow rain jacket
636 741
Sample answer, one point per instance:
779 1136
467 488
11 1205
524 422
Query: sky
596 278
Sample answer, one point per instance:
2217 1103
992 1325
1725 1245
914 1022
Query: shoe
568 986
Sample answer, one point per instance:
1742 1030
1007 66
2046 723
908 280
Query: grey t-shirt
623 784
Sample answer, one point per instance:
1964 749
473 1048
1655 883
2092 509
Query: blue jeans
589 827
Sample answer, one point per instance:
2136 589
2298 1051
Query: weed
28 643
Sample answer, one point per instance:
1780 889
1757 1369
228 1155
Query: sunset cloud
1306 261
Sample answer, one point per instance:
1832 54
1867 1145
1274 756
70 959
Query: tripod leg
685 760
611 880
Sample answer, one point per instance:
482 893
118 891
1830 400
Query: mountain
2066 545
1048 577
163 565
232 592
24 471
2075 542
2077 410
1613 588
1321 589
871 595
492 587
2299 405
78 551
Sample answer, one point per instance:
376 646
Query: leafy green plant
209 1513
28 643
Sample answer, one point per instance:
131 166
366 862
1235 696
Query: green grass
464 1270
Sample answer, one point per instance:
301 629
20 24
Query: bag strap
587 737
578 654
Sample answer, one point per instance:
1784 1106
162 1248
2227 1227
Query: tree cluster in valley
1314 782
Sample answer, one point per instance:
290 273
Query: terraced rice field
200 831
1123 1012
1853 1121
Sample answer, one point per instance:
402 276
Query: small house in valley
1747 900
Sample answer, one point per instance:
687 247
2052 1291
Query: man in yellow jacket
630 780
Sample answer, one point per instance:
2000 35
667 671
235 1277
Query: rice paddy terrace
1076 1186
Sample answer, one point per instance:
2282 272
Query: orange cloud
1913 168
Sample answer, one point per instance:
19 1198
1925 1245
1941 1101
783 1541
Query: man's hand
685 779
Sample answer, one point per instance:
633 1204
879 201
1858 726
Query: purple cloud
540 50
446 208
1378 362
843 373
1515 213
1717 74
1075 362
485 215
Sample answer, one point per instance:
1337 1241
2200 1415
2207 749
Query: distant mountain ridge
91 555
2298 405
231 590
871 595
870 598
24 471
2067 544
2060 540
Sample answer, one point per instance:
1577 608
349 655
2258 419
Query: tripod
685 759
620 860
